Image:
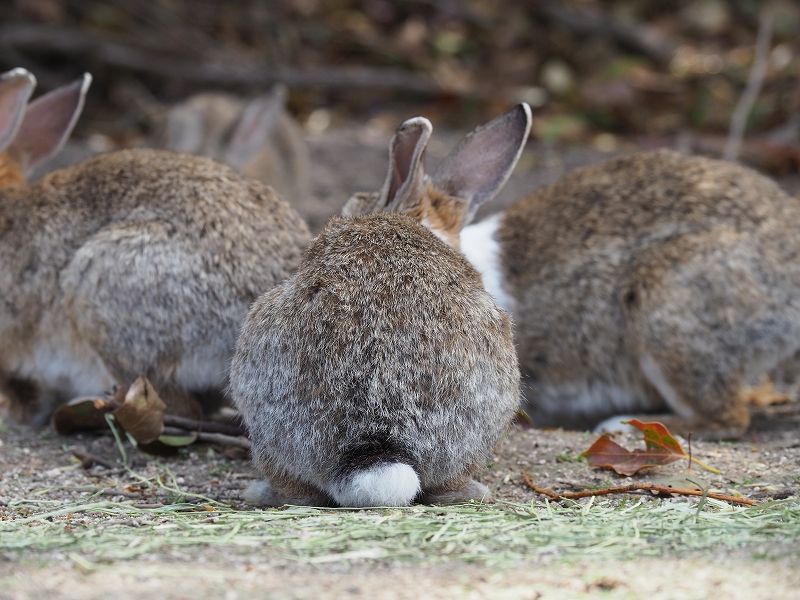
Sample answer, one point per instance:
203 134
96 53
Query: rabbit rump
138 262
382 372
259 138
655 283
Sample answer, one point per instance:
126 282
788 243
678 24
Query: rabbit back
384 343
651 281
147 260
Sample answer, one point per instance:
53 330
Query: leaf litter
661 448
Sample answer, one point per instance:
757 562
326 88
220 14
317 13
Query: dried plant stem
88 460
214 438
208 426
635 487
754 82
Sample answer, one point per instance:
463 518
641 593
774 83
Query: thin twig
209 426
635 487
598 23
213 438
74 43
754 82
225 440
88 460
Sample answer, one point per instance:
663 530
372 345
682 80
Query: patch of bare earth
40 465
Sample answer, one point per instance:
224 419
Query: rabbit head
473 173
258 138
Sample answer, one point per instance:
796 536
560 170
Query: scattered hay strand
498 534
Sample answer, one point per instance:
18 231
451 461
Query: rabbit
259 137
138 262
382 372
654 283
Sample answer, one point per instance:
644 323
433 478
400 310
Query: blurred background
603 76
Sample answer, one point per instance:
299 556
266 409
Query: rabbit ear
16 87
48 122
256 125
184 129
406 177
480 165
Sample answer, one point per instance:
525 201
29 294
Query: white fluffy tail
381 484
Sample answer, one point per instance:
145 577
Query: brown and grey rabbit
140 262
259 138
382 371
654 283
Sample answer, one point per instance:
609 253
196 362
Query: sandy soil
225 579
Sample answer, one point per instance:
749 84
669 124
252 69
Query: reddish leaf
610 455
660 449
657 437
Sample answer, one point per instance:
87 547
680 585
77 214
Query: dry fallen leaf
661 448
764 395
142 412
79 414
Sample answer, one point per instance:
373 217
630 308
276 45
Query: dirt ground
765 464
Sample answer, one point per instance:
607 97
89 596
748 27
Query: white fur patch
383 484
202 372
615 425
583 397
72 371
479 245
652 371
259 493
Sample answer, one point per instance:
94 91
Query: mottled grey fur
654 282
139 262
385 349
383 346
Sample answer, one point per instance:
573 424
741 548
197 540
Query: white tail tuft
259 493
382 484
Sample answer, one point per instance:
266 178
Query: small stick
225 440
634 487
88 460
210 426
754 82
214 438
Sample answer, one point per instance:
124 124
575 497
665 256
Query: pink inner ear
15 90
255 127
480 165
47 124
402 158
